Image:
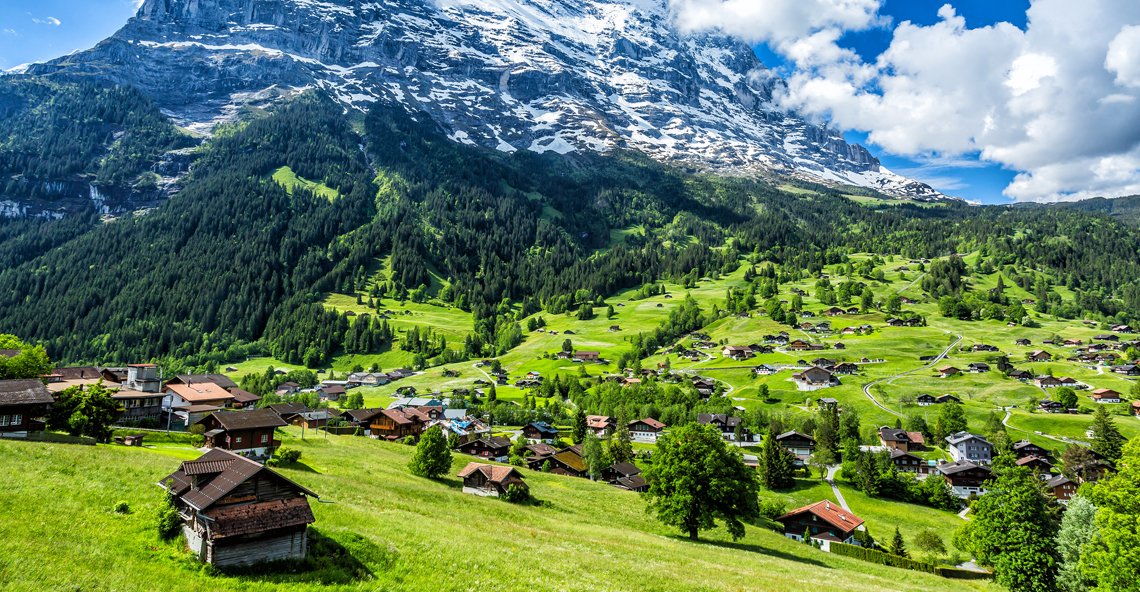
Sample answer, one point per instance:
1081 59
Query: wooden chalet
496 448
822 521
587 356
965 477
798 345
601 425
943 399
490 480
925 399
625 476
906 462
948 371
397 423
897 439
1039 356
800 445
1062 488
1024 448
569 462
137 405
1105 396
1036 464
540 431
243 399
237 512
645 430
725 424
248 433
20 401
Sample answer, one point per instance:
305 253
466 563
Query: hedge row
873 556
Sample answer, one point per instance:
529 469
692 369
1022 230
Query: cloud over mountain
1056 101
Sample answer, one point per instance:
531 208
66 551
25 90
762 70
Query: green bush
166 520
288 455
772 509
121 508
516 495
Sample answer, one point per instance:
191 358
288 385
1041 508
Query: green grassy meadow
407 533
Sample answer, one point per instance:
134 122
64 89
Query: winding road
939 358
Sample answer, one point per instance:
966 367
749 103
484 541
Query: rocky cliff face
560 75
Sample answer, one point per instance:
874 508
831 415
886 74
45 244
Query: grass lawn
407 533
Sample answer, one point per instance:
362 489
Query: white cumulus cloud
1056 101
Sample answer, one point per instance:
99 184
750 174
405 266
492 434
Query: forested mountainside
235 262
1125 209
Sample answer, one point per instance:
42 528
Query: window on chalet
11 420
237 440
264 438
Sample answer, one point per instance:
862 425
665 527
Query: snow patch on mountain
542 75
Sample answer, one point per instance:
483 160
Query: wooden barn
237 512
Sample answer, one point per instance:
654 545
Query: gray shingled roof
24 392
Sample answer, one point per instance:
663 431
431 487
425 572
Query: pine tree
621 444
433 457
578 435
897 545
1106 438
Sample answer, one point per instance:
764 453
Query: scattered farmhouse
235 511
490 480
20 401
823 522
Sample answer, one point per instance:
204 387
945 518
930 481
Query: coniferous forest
234 263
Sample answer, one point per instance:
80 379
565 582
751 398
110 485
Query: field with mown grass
393 531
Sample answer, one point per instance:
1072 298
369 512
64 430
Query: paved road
867 387
1005 422
962 514
831 471
900 291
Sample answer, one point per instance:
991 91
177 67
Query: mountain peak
542 75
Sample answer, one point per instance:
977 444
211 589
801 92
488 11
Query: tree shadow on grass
751 548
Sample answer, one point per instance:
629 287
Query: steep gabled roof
248 420
494 473
230 470
833 514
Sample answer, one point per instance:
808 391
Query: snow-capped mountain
560 75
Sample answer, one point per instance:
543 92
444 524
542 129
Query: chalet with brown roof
569 462
625 476
490 480
800 445
897 439
1062 488
540 431
948 371
1022 342
64 378
219 379
1046 381
1039 356
237 512
397 423
601 425
243 399
1022 375
906 462
1105 396
248 433
1036 464
965 477
496 448
824 522
645 430
943 399
925 399
798 345
1025 448
20 401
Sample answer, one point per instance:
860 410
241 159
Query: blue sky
966 177
39 30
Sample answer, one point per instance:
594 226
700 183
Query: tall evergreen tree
1078 528
1106 438
897 545
1111 559
578 435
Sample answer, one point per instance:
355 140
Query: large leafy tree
31 362
433 457
1112 559
1013 531
84 412
696 480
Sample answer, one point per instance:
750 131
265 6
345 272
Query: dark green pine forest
234 263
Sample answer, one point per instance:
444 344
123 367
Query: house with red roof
824 522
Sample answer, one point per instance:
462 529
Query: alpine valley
572 202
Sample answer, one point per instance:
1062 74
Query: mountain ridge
543 75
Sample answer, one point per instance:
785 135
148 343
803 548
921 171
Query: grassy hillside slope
407 533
